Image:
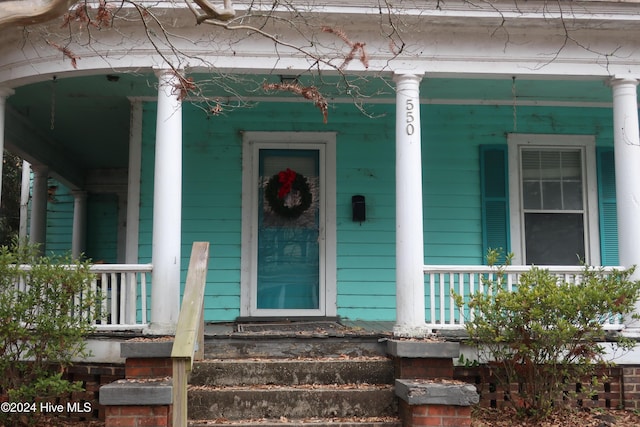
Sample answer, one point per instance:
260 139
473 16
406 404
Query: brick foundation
143 398
607 394
141 368
435 402
424 398
423 368
85 405
434 415
138 416
92 377
631 387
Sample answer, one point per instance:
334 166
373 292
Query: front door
288 230
285 212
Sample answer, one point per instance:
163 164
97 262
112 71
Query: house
450 128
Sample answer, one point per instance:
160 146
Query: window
553 199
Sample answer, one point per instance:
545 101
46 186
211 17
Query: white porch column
626 144
133 200
410 308
79 232
133 185
167 206
40 193
24 200
4 94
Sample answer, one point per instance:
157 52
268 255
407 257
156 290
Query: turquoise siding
452 135
212 196
102 224
366 251
212 179
59 219
212 176
102 228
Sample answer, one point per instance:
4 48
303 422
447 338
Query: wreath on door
288 194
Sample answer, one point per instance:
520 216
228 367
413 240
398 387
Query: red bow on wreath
286 178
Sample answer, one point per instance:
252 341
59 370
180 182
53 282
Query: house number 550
410 117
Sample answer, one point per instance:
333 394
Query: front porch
126 291
451 176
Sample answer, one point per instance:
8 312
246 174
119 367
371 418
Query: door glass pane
554 238
288 249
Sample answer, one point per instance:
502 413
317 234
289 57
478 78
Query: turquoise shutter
494 188
607 207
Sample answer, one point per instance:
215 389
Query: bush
10 206
547 333
47 309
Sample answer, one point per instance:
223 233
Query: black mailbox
358 208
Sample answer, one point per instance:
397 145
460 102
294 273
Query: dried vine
307 92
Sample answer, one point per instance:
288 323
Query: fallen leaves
483 417
295 421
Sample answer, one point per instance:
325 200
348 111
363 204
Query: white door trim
252 142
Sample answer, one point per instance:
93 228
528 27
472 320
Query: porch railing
440 280
124 291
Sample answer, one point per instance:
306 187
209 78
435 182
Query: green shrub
547 333
43 323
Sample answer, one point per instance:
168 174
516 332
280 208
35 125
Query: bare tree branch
213 12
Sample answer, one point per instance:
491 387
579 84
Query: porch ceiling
85 120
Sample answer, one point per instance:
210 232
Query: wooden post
190 330
181 367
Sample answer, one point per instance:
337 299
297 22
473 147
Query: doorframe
252 142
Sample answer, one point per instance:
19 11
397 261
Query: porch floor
296 338
327 328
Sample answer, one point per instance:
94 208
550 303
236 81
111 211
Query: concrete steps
288 381
278 402
293 372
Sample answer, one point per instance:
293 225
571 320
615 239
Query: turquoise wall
212 187
212 194
102 224
59 218
102 228
452 135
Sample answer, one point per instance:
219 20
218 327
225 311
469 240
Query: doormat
314 326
